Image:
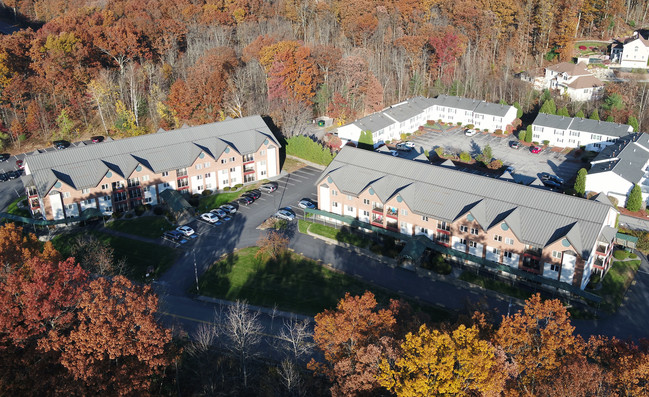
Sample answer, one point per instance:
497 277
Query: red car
535 149
20 164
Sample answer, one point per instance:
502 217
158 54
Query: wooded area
128 67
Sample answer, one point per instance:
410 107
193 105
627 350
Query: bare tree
96 256
296 337
242 328
291 377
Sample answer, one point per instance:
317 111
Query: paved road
524 162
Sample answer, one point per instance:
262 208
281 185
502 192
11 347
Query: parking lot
524 162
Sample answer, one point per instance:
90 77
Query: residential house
573 80
576 132
551 235
618 167
122 174
633 52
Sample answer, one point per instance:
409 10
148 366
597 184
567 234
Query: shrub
421 128
206 192
117 214
634 202
238 186
304 147
227 189
498 131
614 200
139 210
521 136
486 130
128 215
426 154
529 134
439 151
495 164
620 254
459 123
158 210
193 200
465 157
470 126
403 136
582 47
633 255
546 143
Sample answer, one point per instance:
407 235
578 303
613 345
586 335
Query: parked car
245 200
544 176
284 214
470 132
289 209
221 214
186 230
268 187
15 174
97 139
229 208
510 169
535 149
254 194
173 235
306 203
20 164
4 177
61 144
514 144
4 157
211 218
410 144
551 183
394 153
403 147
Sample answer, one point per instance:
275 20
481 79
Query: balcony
392 212
377 221
533 251
602 249
391 225
248 168
377 209
599 263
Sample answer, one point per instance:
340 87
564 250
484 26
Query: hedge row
304 148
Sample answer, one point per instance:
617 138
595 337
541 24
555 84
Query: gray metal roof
492 109
552 121
85 166
374 122
402 111
626 159
536 216
600 127
457 102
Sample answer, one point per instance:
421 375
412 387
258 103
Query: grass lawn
216 200
495 285
293 283
387 248
616 282
13 208
139 255
146 226
291 165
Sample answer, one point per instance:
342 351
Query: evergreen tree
580 182
528 134
366 141
633 122
634 202
521 136
563 112
519 110
580 114
594 115
610 118
549 107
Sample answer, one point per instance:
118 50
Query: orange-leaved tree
353 338
440 363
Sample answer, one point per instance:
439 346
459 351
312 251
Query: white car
284 214
210 217
186 230
306 203
469 132
410 144
394 153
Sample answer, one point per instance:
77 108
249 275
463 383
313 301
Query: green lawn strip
616 282
139 255
218 199
293 283
303 226
495 285
13 208
146 226
333 233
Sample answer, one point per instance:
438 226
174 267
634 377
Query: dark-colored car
245 200
514 145
551 183
4 177
97 139
4 157
544 176
61 144
268 187
173 235
255 193
14 174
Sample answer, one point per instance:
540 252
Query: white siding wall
491 254
272 162
105 205
456 244
568 268
349 132
548 272
477 250
262 169
57 205
210 183
71 210
324 199
610 184
236 176
511 262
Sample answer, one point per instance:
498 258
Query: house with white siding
633 52
576 132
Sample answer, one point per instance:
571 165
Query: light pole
195 270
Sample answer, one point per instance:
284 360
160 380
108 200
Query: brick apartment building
119 175
549 234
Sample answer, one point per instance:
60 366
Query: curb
270 312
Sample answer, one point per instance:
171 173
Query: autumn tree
538 340
625 365
271 245
353 338
439 363
116 345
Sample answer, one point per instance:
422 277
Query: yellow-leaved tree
438 363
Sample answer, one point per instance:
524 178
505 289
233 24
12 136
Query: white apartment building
575 132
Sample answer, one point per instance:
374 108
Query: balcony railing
533 251
602 249
378 209
392 212
392 226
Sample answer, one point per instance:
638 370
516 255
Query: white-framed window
148 200
556 254
509 241
199 166
70 207
85 191
262 152
366 201
507 254
334 193
104 186
334 204
208 186
498 238
350 208
474 231
166 184
462 241
66 194
473 244
233 170
404 212
145 178
366 213
223 161
495 250
424 218
225 182
207 164
350 198
555 267
106 198
199 187
463 228
223 172
199 177
208 175
165 173
232 159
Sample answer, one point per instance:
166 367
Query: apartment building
483 115
119 175
576 132
619 167
552 235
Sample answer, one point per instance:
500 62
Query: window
262 152
249 178
145 178
224 172
507 254
473 244
350 198
442 238
596 137
334 193
181 172
232 159
554 267
424 218
498 238
443 225
148 200
366 213
474 231
106 198
199 177
66 194
199 188
207 164
183 183
262 173
166 184
556 254
85 191
350 208
223 161
404 212
423 230
133 182
495 250
334 204
208 186
366 201
225 182
462 241
209 174
199 166
464 229
509 241
104 186
233 170
248 157
165 173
